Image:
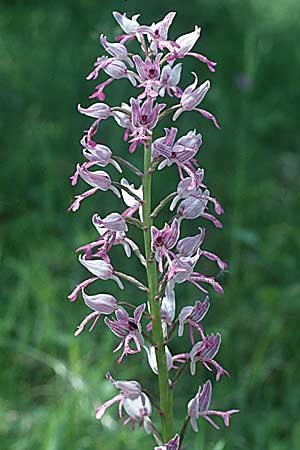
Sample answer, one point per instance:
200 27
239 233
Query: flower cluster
169 257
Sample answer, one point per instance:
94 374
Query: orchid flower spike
153 66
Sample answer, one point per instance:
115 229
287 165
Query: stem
162 204
132 280
183 430
157 332
179 374
129 166
168 111
126 189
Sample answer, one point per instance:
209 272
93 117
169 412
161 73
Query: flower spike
153 66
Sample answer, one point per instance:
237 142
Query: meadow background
50 381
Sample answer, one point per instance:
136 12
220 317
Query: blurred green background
50 381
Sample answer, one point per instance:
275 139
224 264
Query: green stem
165 393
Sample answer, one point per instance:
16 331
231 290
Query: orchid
205 351
148 325
199 407
135 403
191 97
128 329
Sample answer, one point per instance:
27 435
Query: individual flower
182 270
128 329
163 241
191 245
205 351
98 154
183 46
112 230
192 316
195 206
157 33
101 304
199 407
129 26
191 97
181 152
97 111
135 402
101 270
144 118
99 180
173 444
116 49
113 67
149 72
170 77
191 187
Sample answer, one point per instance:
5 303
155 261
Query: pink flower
205 351
181 153
149 73
182 270
163 241
190 187
157 33
99 180
101 304
97 110
129 26
191 97
170 77
116 50
192 316
144 118
112 230
199 407
135 403
128 329
183 46
191 245
195 206
98 154
100 269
